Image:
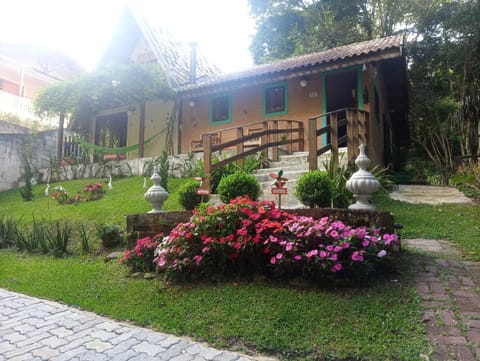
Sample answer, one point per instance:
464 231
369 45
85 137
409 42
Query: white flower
382 253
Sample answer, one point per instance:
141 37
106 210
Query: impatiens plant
246 236
93 191
140 258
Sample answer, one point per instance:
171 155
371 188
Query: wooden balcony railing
251 139
347 127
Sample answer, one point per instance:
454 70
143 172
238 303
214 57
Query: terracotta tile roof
346 52
173 56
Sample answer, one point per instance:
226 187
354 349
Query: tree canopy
105 88
294 27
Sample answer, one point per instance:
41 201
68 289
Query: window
221 109
275 99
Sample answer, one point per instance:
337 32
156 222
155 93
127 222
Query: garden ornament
362 183
156 194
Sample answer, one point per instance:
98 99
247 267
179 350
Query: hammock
120 150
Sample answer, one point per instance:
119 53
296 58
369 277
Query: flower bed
246 237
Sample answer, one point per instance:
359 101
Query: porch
324 133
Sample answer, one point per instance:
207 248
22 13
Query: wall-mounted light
364 67
192 103
303 82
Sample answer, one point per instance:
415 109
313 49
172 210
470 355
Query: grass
459 223
380 321
377 322
126 197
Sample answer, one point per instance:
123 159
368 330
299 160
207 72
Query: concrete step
289 174
289 201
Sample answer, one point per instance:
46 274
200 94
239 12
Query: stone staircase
293 166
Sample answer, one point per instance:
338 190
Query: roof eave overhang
218 86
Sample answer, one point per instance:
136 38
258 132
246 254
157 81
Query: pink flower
273 260
337 249
346 245
298 258
323 254
334 234
330 248
337 267
312 253
279 256
334 257
357 257
197 259
205 249
365 243
289 246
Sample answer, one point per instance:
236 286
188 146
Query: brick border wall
150 224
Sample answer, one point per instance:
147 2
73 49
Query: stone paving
429 195
33 329
448 288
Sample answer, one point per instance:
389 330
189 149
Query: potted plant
110 235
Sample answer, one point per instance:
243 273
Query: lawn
377 321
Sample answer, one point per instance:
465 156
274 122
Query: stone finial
362 183
156 194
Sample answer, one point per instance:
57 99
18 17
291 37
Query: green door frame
360 104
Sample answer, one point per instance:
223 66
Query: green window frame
220 109
275 99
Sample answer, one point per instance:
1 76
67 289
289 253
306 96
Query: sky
82 28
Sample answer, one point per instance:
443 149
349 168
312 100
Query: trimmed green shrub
188 197
238 184
314 189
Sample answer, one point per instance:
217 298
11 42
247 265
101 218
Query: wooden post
350 139
240 147
207 158
301 137
275 139
289 146
312 144
334 139
141 131
355 134
264 140
61 124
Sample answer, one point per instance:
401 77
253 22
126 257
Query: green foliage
84 240
8 231
26 191
58 238
163 170
188 197
238 184
340 197
102 89
467 180
109 234
291 27
314 189
250 163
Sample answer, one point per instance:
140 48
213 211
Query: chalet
316 102
364 83
137 41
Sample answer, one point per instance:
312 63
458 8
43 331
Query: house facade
368 76
24 71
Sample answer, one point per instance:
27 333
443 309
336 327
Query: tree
444 78
294 27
